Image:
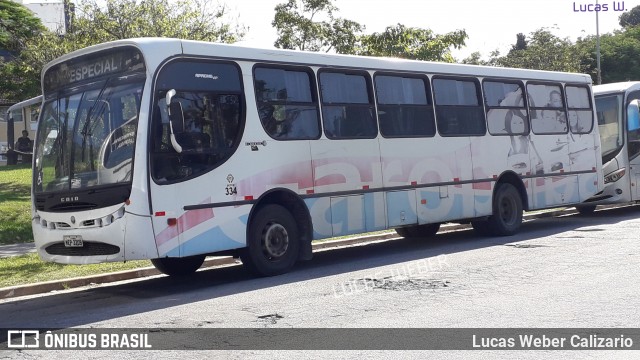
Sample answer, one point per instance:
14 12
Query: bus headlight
614 176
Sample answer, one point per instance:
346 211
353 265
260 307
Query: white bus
618 120
20 117
172 150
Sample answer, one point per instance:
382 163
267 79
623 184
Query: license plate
72 240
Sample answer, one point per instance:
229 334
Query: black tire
586 209
178 266
427 230
272 242
507 211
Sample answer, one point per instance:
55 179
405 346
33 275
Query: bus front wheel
272 242
507 213
178 266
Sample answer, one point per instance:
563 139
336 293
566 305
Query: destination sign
93 66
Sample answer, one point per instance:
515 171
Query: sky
490 24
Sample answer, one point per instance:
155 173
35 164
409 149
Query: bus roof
165 48
616 87
24 103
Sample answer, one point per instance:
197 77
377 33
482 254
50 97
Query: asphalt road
569 272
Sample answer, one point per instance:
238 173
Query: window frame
370 97
479 98
543 108
591 106
154 111
429 97
525 102
314 96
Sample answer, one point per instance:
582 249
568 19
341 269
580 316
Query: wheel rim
275 241
507 209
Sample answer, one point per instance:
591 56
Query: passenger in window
280 117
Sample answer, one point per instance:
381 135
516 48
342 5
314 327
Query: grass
15 227
15 197
29 269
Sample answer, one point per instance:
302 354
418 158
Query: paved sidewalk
16 249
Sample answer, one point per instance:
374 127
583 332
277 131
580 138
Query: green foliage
630 18
310 25
545 51
15 200
412 43
619 55
17 24
542 51
521 42
97 21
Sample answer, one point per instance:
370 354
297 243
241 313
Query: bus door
197 124
550 145
346 161
583 143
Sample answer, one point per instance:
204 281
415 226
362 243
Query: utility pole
599 80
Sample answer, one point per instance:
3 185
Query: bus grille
89 249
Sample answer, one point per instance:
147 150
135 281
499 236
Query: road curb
64 284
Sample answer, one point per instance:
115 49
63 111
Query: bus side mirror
176 120
633 115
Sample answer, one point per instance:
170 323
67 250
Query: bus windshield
86 136
609 109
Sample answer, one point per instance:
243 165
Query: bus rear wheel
178 266
272 242
426 230
507 213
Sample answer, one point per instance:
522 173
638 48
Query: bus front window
207 135
609 109
86 138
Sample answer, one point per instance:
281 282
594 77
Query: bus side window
347 105
404 106
287 104
580 113
458 108
633 128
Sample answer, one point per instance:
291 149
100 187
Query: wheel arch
298 209
509 177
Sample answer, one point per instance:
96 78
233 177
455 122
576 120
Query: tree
311 25
630 18
476 59
98 21
544 51
412 43
619 55
18 26
521 42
